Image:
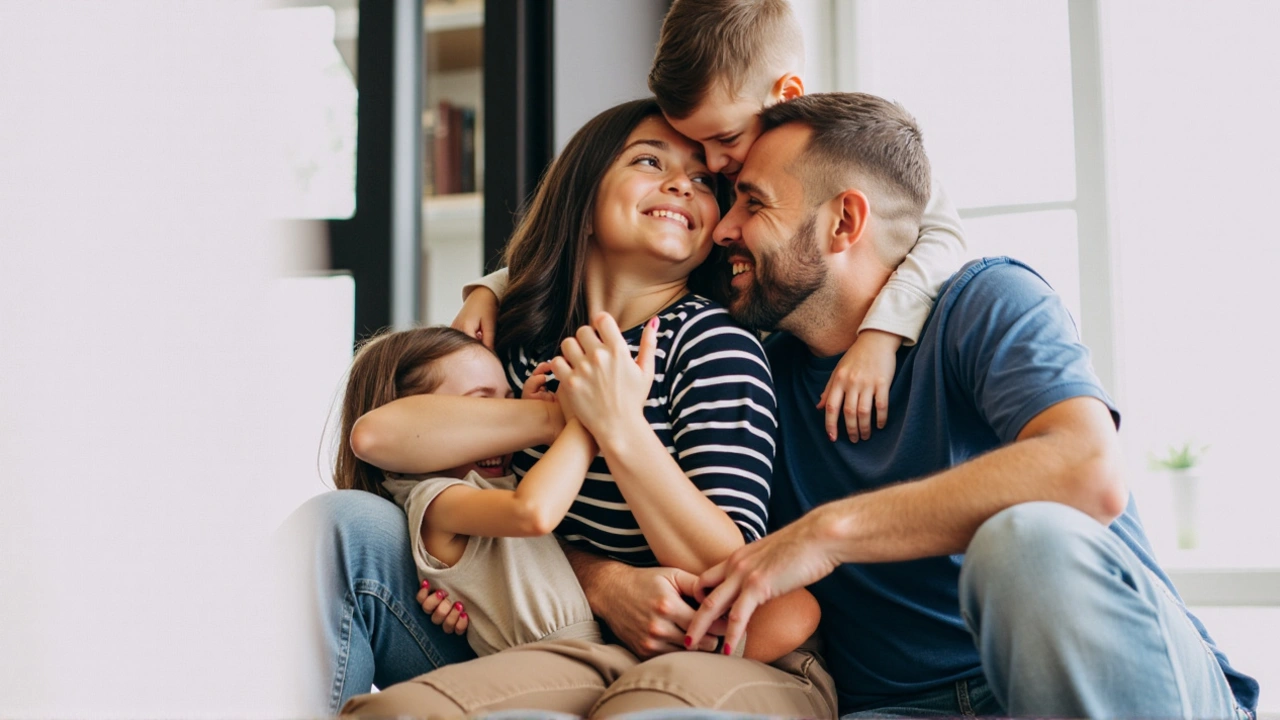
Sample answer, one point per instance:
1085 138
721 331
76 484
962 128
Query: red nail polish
728 650
425 584
440 594
457 606
462 616
688 642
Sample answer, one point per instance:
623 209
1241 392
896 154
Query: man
1004 449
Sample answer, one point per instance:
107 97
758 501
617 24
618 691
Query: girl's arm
696 512
427 433
861 381
534 508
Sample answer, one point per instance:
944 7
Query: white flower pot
1184 483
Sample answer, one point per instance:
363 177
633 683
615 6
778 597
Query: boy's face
726 127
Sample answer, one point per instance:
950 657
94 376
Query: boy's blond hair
736 44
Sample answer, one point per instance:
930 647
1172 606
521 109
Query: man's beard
779 284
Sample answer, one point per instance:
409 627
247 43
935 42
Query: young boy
718 64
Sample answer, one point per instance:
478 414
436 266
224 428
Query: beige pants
797 685
578 678
559 675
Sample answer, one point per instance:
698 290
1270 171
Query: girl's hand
478 316
535 388
600 383
451 617
860 381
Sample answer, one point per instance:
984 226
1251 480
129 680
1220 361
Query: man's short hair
730 43
855 137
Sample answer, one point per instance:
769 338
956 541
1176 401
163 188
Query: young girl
471 527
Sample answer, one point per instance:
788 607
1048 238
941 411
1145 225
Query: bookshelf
453 147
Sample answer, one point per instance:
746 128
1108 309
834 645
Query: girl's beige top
515 590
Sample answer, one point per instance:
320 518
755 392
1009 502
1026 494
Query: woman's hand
861 380
478 316
453 618
600 383
646 608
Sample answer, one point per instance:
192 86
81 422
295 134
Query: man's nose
728 230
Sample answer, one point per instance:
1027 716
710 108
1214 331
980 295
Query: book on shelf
450 142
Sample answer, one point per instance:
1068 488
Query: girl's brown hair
389 366
545 299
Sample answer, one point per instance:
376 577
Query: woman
618 232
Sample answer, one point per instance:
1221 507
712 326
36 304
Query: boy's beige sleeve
495 281
905 301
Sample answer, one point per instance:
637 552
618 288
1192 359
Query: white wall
603 50
150 366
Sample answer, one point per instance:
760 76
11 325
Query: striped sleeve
724 416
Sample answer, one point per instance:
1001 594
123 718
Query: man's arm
1069 453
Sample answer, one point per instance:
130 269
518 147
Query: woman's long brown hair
545 299
389 366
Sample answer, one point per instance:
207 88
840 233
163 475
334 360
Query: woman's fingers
463 623
572 353
450 623
648 347
442 610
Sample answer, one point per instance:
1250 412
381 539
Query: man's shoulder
989 284
992 275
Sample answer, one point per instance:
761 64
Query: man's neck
828 321
630 299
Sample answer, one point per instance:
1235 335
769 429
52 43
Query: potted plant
1180 463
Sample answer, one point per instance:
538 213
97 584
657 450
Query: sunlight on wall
149 364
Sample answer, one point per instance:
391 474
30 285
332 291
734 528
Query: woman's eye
730 141
649 160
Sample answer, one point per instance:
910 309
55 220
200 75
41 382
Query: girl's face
657 203
475 372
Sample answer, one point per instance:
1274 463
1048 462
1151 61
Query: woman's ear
852 209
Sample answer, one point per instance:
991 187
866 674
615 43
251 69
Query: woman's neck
630 299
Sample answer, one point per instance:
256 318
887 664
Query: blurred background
205 204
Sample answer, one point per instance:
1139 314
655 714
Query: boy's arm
495 281
861 381
904 304
534 508
479 314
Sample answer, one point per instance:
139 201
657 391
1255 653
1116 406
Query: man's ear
788 87
852 212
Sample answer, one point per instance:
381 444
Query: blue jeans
1069 623
361 624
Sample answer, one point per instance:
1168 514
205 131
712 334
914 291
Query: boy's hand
451 617
860 381
478 316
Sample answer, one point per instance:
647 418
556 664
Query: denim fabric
1070 623
962 698
349 551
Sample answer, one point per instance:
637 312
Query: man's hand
478 316
798 555
647 610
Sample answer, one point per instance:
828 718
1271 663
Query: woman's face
656 205
474 372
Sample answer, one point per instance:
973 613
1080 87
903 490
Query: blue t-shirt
998 349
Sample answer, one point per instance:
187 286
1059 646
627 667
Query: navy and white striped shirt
712 406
